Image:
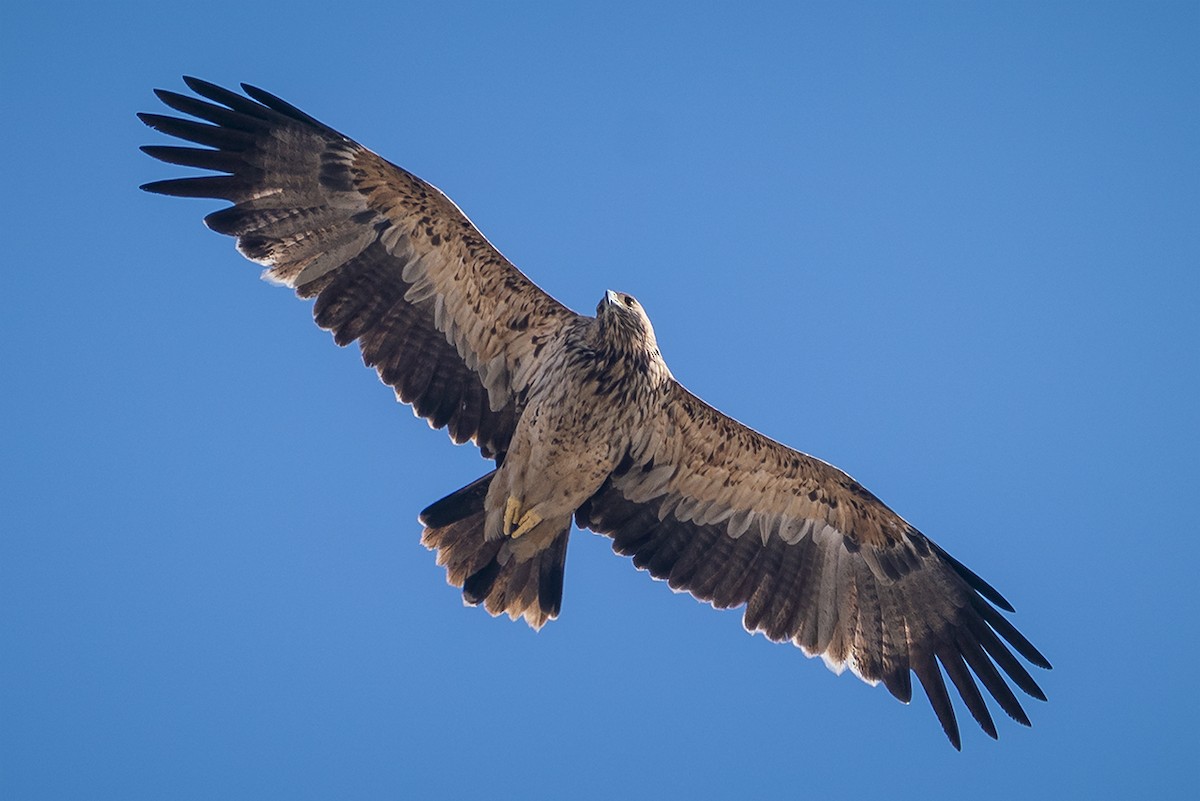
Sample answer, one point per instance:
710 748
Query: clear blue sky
952 248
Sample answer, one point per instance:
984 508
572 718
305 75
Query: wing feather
441 315
737 519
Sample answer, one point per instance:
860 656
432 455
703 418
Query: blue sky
952 248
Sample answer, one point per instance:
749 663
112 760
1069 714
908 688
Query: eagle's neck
623 354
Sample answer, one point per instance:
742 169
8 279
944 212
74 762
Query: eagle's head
623 319
626 336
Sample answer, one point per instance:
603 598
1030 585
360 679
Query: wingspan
444 318
732 517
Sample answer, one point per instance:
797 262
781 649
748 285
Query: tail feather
488 572
551 570
457 505
478 586
461 548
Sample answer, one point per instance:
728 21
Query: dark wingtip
209 186
266 98
1009 632
956 668
199 85
283 107
973 580
1035 656
930 676
159 187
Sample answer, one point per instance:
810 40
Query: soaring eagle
584 421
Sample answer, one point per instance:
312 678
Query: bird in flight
584 421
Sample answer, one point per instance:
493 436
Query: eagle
584 421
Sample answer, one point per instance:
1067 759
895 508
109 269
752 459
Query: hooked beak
611 297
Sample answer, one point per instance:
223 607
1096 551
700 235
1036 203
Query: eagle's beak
611 297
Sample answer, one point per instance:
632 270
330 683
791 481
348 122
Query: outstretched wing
445 319
723 512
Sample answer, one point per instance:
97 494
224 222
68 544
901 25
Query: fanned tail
488 571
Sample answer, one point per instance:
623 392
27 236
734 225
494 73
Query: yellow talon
528 522
516 522
512 511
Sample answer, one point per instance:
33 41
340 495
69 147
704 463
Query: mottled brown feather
858 586
445 319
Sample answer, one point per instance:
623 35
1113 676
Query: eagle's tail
488 572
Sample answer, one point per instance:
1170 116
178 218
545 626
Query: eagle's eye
629 302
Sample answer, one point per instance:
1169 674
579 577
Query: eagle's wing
445 319
723 512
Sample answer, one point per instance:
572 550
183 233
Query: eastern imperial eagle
583 420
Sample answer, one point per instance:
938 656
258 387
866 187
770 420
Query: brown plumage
584 421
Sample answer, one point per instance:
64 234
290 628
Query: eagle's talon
512 512
528 522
